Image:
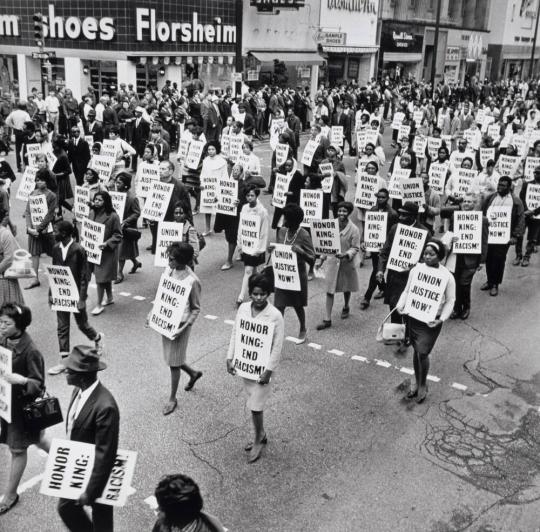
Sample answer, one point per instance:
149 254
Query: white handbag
390 332
21 266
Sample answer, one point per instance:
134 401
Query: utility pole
531 66
238 63
435 46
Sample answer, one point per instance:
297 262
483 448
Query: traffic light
38 29
45 67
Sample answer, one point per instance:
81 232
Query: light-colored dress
10 291
342 274
258 394
174 351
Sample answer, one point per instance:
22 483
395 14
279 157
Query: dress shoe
525 262
494 291
364 304
454 315
465 313
325 324
135 267
485 286
379 295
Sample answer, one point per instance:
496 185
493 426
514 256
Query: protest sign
361 140
168 233
480 116
530 164
468 230
64 291
375 231
103 165
171 299
534 136
28 183
285 265
38 210
488 119
426 290
406 247
108 148
509 164
227 196
119 202
521 142
311 202
235 147
249 229
485 155
69 468
33 150
252 347
92 236
412 189
193 157
81 206
5 388
157 202
277 126
404 132
500 219
433 144
465 178
336 135
532 198
418 115
372 136
437 177
281 187
419 146
51 157
366 191
327 169
325 236
147 173
397 119
282 150
494 131
225 145
394 186
90 140
209 186
183 148
309 151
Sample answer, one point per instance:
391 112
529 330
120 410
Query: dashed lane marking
458 386
30 483
211 317
229 322
315 346
433 378
360 358
125 294
336 352
139 298
408 371
383 363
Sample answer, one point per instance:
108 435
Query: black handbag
42 413
202 241
268 272
130 233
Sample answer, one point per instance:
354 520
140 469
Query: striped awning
349 49
166 59
402 57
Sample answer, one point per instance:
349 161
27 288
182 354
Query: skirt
129 249
257 394
15 435
10 292
421 336
229 224
174 351
43 243
64 189
253 260
341 276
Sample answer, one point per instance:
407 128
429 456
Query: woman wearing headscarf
423 335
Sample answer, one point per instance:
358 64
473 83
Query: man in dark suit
92 417
212 123
78 153
141 134
93 127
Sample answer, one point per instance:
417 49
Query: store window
336 69
57 77
103 76
353 68
147 75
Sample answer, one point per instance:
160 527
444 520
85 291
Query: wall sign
331 38
368 7
270 5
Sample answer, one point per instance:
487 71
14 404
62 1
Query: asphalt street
346 451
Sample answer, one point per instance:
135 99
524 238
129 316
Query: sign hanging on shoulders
64 291
168 233
227 194
375 230
325 235
6 357
92 236
157 202
500 220
285 265
468 230
406 248
311 202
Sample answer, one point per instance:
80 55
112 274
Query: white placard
69 468
183 148
28 183
468 230
249 230
397 119
311 202
285 265
194 154
366 191
64 291
171 299
281 187
325 236
485 155
480 116
103 165
81 206
90 140
252 347
92 236
5 388
157 202
108 148
508 165
168 233
336 135
426 290
235 147
147 173
433 144
327 169
361 140
437 177
404 132
282 150
394 186
33 150
309 151
277 126
500 220
51 157
209 187
225 145
227 196
521 142
532 198
406 247
372 136
494 131
419 146
38 210
412 189
418 115
530 164
119 202
375 230
465 178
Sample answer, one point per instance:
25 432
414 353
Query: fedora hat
409 208
84 359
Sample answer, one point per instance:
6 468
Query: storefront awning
300 58
401 57
350 49
167 58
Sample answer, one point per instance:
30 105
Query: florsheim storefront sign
124 25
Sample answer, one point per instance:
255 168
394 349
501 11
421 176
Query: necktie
73 412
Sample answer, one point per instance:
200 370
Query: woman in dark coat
62 171
102 212
27 379
129 249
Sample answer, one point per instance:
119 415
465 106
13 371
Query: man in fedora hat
92 417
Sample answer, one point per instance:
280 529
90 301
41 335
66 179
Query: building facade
511 39
408 34
106 43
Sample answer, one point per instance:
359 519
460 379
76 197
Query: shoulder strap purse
390 332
